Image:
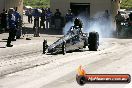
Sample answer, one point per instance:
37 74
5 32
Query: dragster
73 41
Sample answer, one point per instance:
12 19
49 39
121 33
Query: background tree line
127 4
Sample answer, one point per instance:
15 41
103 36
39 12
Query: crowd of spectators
48 18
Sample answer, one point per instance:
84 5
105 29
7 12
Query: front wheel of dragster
44 46
81 80
64 48
93 41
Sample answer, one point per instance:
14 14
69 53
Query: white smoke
98 23
67 27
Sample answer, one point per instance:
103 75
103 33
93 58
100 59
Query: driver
77 28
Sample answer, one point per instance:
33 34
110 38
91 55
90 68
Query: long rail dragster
73 41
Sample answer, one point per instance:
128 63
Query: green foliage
37 3
126 4
46 3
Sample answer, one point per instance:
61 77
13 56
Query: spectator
48 18
106 15
12 26
58 20
57 14
30 16
119 19
36 23
43 14
69 16
36 15
17 22
4 19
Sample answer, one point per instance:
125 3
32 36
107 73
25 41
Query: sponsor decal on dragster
82 77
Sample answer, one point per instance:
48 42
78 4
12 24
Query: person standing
106 15
58 20
57 13
4 20
119 18
30 16
36 23
17 15
69 16
42 18
48 18
12 26
17 22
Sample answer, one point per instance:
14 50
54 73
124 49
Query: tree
37 3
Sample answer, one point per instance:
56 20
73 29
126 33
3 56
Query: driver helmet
77 22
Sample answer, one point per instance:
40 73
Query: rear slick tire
93 41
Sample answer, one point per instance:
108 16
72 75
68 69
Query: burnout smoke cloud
104 26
